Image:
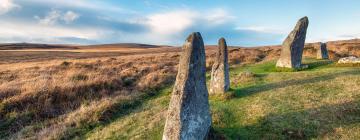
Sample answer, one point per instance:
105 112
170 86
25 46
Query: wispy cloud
26 32
172 27
149 3
55 16
70 16
326 38
169 26
263 29
219 16
83 4
7 5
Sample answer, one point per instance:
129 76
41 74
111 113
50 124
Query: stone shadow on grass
317 64
242 92
115 112
305 124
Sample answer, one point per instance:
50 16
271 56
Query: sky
168 22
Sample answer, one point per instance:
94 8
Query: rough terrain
99 93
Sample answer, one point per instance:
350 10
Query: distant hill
126 45
20 46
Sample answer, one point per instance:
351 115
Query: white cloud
84 4
20 31
179 20
170 26
331 37
263 29
7 5
54 16
171 22
219 16
70 16
51 18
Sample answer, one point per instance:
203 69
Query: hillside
25 46
20 52
105 93
24 52
125 45
22 46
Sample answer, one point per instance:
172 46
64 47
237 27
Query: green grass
321 102
255 68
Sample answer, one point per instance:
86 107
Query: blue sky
241 22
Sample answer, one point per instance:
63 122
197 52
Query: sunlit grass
321 102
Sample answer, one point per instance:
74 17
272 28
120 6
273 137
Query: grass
124 98
65 99
149 118
321 102
118 111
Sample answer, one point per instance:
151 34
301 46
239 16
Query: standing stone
292 47
322 52
220 82
189 113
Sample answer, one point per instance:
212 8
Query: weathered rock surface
189 113
292 47
220 82
349 60
322 52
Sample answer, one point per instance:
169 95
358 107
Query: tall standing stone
322 52
189 113
292 47
220 82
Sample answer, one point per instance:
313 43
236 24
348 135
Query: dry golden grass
34 92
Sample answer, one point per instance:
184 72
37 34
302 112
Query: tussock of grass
79 77
65 63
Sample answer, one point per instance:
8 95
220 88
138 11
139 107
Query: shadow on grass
305 124
318 64
48 104
242 92
116 111
310 65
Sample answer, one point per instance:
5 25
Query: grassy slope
321 102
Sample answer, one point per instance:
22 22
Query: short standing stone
322 52
220 82
292 48
189 113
